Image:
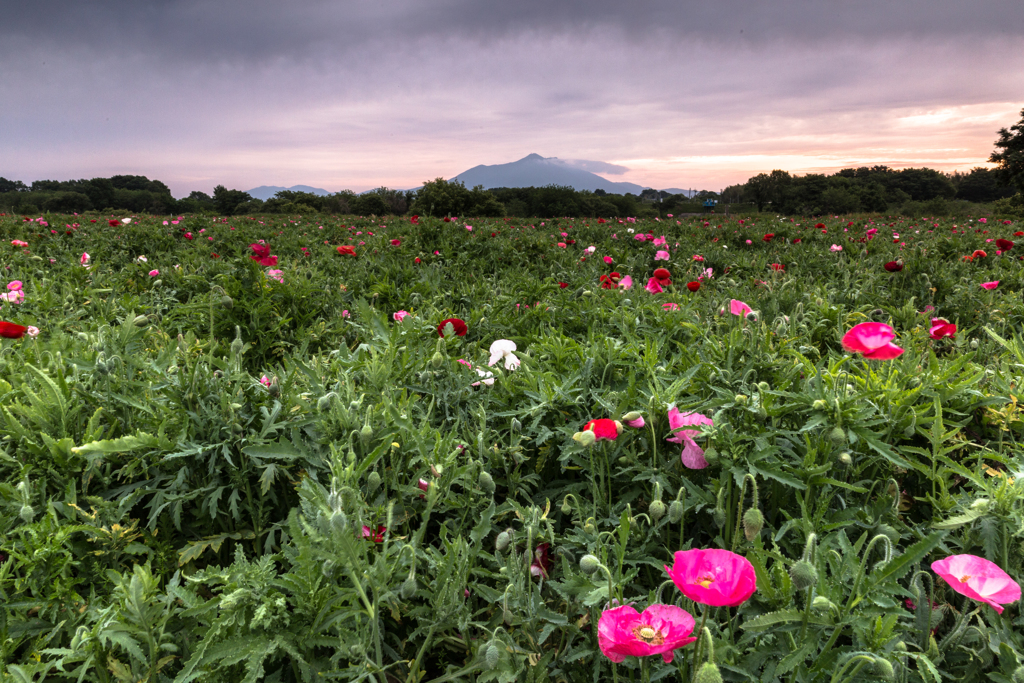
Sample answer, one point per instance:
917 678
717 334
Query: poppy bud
631 416
845 459
718 517
274 389
26 513
323 404
909 431
708 673
803 574
437 359
502 541
491 656
236 346
408 588
675 512
140 321
753 522
227 302
974 344
657 510
372 481
338 520
752 316
517 426
486 482
366 433
838 437
741 399
590 528
884 670
711 455
566 508
585 439
327 569
589 564
821 603
820 404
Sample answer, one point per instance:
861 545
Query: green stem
696 649
419 655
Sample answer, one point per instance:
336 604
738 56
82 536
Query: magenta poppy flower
658 630
874 340
990 285
978 579
713 577
737 307
603 429
399 315
626 283
1004 245
541 564
653 286
375 536
661 255
670 307
692 455
941 328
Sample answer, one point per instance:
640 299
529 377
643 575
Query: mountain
537 171
265 192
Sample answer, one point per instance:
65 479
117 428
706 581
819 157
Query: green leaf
782 617
910 557
281 450
960 520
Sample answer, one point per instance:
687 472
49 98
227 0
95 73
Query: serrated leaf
782 617
960 520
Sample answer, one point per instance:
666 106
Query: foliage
208 474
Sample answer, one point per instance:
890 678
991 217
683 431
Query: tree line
851 190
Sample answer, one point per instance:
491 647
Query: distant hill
265 192
537 171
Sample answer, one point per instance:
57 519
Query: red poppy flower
693 286
447 220
113 223
541 564
214 255
1004 245
458 325
610 281
396 243
347 250
601 220
375 536
603 429
1018 234
415 220
777 267
12 330
261 254
93 220
893 266
416 260
563 285
819 226
663 276
796 241
768 237
978 253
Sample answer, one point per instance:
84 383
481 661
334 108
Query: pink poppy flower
399 315
423 485
14 285
603 429
653 286
874 340
626 283
737 307
670 307
978 579
692 455
835 247
659 630
275 274
660 241
990 285
608 259
154 272
941 328
713 577
32 331
84 260
661 255
14 297
265 381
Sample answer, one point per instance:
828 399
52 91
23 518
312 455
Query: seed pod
837 436
372 481
675 512
589 564
708 673
657 510
803 574
486 482
753 522
502 541
408 588
492 655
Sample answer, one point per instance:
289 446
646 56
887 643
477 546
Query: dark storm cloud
200 30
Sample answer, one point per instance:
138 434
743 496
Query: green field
228 463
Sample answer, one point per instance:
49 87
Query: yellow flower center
965 578
649 635
706 580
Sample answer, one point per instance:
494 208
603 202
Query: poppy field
299 448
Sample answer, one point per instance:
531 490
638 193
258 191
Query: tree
228 200
980 185
1011 155
767 188
12 185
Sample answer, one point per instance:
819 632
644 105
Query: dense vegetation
227 454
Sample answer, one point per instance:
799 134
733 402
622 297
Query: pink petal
653 287
887 352
693 455
866 337
737 307
626 283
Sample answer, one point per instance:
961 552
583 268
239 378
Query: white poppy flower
503 348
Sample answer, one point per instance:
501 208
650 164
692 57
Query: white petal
511 362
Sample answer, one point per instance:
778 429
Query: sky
354 94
